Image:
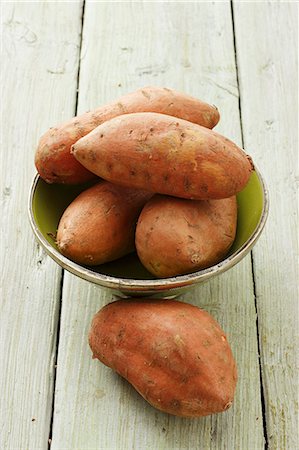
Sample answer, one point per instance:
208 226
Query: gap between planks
262 395
63 270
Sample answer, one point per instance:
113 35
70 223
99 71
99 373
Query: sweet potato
99 225
174 354
53 159
175 236
165 155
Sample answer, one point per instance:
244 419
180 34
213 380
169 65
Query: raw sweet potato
174 354
99 225
53 159
165 155
176 236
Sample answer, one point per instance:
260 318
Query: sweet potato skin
165 155
177 236
99 225
56 164
174 354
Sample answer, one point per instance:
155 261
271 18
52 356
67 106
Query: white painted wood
39 62
267 51
188 47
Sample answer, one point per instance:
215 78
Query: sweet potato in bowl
175 236
165 155
99 225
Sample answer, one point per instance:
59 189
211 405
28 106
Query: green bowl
127 276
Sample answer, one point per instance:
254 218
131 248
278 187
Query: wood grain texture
267 53
126 46
39 72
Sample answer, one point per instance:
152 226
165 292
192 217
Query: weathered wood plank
125 46
39 65
267 53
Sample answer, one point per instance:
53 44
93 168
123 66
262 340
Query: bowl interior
50 200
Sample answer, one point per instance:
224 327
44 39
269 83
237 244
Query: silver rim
165 284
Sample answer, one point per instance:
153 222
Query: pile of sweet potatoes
156 163
165 185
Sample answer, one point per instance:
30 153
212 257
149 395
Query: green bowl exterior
127 276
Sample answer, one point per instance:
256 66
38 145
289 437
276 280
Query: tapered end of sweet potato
54 161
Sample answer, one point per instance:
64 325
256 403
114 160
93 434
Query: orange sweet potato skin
176 236
174 354
56 164
99 225
165 155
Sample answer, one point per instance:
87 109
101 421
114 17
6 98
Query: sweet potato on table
176 236
174 354
165 155
99 225
53 159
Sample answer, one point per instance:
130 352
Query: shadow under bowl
126 276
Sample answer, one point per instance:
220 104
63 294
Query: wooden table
62 58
